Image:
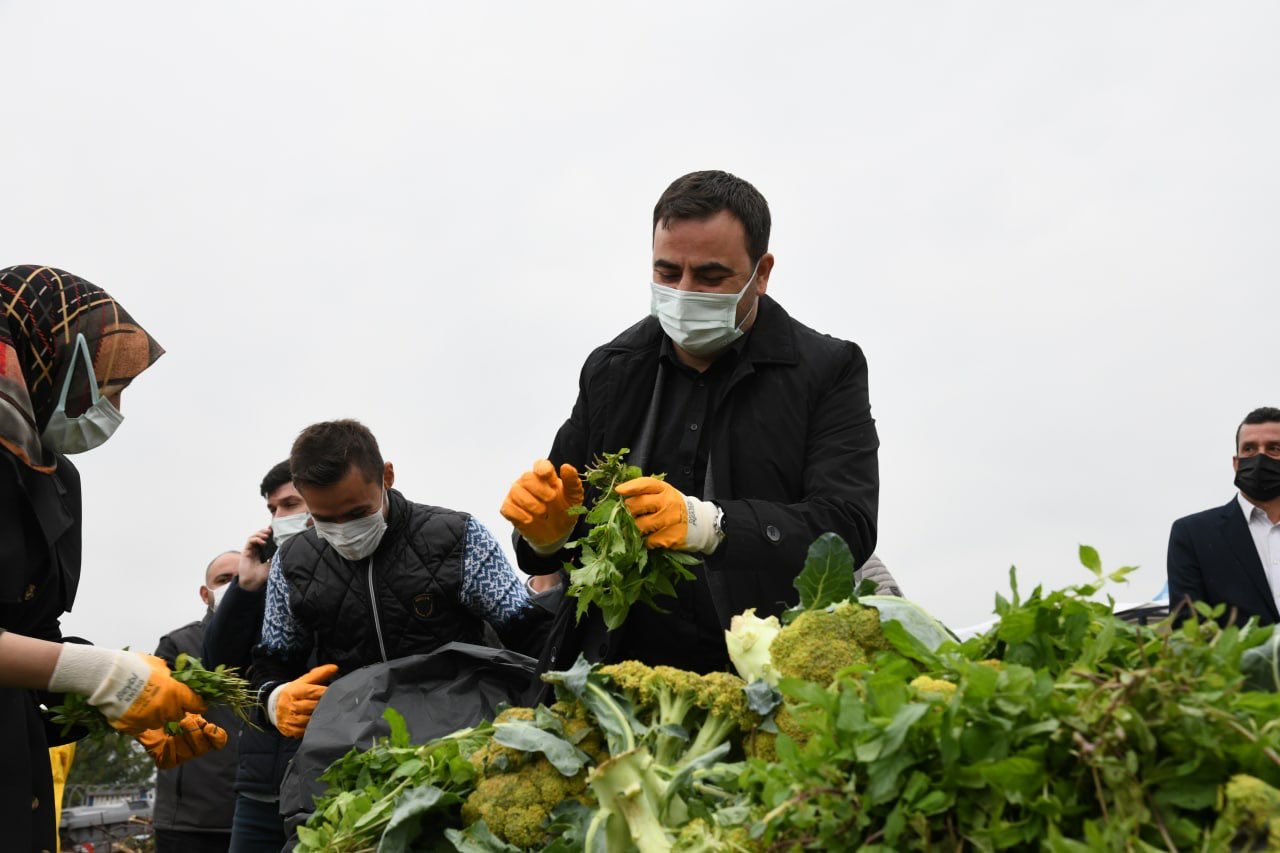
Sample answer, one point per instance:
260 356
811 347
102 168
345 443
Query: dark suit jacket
1212 558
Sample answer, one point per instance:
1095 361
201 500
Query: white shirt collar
1249 509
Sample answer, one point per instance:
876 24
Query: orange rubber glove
135 692
197 737
659 510
669 519
295 702
538 505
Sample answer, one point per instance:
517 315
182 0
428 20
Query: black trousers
181 841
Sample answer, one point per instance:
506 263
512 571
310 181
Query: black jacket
1212 558
793 456
229 638
198 795
415 577
39 572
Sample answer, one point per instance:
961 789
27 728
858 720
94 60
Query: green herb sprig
615 569
219 686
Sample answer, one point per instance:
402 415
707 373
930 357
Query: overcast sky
1052 229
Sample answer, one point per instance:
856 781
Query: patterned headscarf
41 312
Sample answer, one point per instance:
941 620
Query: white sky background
1052 229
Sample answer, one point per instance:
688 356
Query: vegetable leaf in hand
615 569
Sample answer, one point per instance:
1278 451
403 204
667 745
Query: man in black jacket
195 799
376 578
231 635
1231 555
762 426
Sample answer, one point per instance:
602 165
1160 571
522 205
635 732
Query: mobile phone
267 549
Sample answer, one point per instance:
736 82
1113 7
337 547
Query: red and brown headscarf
41 312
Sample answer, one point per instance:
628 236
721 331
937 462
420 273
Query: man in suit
1231 555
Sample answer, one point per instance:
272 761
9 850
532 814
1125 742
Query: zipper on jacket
373 605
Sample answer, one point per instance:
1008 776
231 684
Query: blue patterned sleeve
490 587
281 633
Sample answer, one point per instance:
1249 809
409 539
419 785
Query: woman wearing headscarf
67 351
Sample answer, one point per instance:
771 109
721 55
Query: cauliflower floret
748 640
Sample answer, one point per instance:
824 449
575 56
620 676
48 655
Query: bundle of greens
615 570
389 796
220 686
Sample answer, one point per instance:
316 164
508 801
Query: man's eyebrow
713 266
665 264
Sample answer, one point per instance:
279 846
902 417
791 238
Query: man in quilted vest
378 577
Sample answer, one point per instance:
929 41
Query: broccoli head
690 714
515 791
515 804
1253 808
761 744
820 643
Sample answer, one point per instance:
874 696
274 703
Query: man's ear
388 475
762 273
206 596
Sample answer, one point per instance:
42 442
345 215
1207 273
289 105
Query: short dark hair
1261 415
324 452
276 477
699 195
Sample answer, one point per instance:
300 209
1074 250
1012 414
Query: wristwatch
717 524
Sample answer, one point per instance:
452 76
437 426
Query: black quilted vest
407 603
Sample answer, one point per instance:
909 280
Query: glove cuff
272 701
111 679
548 550
703 536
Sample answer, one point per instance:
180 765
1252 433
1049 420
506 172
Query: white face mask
88 430
217 594
357 539
286 527
700 323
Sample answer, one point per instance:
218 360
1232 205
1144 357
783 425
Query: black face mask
1259 477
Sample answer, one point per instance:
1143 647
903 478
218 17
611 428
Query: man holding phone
229 639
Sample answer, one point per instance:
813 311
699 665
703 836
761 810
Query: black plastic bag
452 688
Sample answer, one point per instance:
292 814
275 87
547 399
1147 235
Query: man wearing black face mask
1231 555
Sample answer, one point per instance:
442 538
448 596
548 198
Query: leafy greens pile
615 570
861 723
1062 728
220 686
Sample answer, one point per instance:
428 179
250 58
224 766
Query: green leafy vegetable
615 569
393 794
827 576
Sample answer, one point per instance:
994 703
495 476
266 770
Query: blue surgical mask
89 429
702 324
